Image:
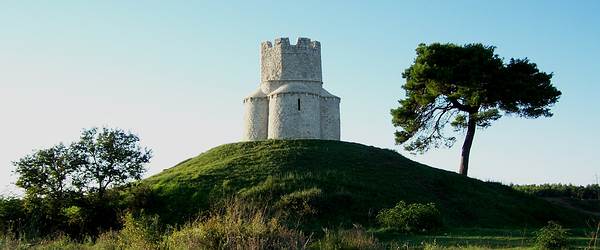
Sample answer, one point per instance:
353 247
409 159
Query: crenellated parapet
284 45
282 61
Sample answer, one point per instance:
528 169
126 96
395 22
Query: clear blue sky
175 73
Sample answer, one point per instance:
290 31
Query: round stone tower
330 116
291 102
294 112
256 115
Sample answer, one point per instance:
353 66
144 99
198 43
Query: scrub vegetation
304 194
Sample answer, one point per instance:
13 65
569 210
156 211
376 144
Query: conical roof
326 94
257 94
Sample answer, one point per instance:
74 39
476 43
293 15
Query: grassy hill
331 183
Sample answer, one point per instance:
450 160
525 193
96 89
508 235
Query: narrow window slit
298 104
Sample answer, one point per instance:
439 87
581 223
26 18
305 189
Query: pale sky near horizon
175 73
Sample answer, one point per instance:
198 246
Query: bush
300 204
414 217
552 236
137 196
140 232
12 214
356 238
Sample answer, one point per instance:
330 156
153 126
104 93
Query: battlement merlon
281 61
284 44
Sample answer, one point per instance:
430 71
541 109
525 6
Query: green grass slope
336 183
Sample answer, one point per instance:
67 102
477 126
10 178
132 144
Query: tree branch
463 107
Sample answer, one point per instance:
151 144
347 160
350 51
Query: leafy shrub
355 238
414 217
12 214
300 204
137 196
552 236
139 232
75 217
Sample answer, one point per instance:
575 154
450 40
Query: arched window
298 104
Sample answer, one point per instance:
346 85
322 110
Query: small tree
46 174
467 86
112 157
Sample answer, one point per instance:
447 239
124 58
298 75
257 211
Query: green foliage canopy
46 173
112 157
99 159
411 217
552 236
448 83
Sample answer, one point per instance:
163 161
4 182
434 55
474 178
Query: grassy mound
331 183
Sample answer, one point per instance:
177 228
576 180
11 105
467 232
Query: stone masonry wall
287 122
283 61
256 118
330 118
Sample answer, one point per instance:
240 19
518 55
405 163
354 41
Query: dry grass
237 227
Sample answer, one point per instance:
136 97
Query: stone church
290 102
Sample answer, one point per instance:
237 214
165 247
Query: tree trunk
466 148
